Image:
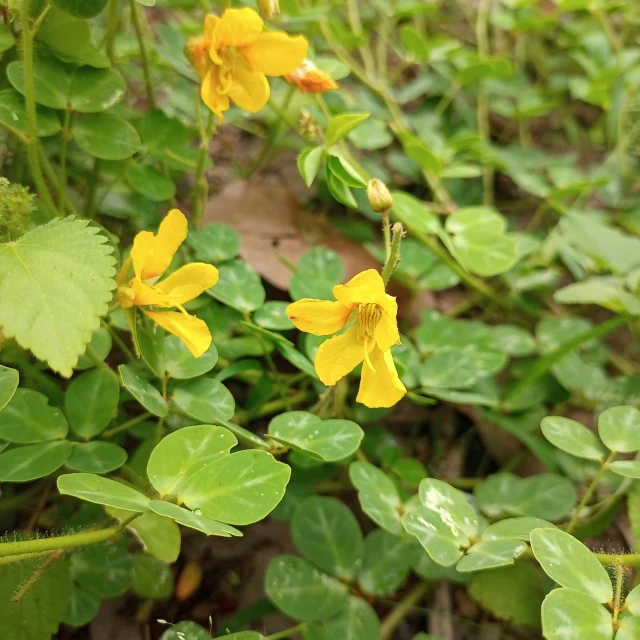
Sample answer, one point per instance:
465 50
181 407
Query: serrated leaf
55 283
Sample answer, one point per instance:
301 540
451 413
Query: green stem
126 425
617 596
112 29
146 67
38 573
63 198
394 255
355 22
63 147
90 206
200 185
482 113
287 633
402 609
386 232
589 493
120 343
30 106
273 406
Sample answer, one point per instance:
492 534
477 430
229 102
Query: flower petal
189 282
146 295
152 254
191 330
276 53
216 101
365 287
249 89
210 22
236 28
337 356
382 388
386 333
319 317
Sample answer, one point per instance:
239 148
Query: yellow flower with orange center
307 78
368 340
235 55
151 256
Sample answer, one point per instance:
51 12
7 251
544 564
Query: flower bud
268 8
307 78
378 195
197 51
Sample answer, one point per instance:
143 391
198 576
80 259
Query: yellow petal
249 89
236 28
146 295
210 23
152 254
382 388
217 102
365 287
276 53
189 282
319 317
191 330
386 333
337 356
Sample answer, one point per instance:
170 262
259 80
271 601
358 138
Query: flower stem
402 609
617 596
386 232
146 68
201 186
587 496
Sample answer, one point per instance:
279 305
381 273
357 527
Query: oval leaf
205 399
572 437
619 428
32 461
96 457
99 490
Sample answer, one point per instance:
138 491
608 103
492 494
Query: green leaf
150 183
514 528
214 243
62 275
42 607
512 593
444 523
309 162
99 490
181 453
13 114
246 437
103 571
485 253
512 339
317 272
475 219
328 440
572 437
143 391
28 418
205 399
414 42
414 213
106 137
32 461
339 190
91 401
632 601
626 468
152 578
570 563
377 495
345 171
356 621
7 39
619 428
94 90
296 587
52 81
421 154
187 630
273 315
96 457
569 614
240 488
82 608
239 287
449 368
385 563
489 554
340 126
81 8
180 363
193 520
9 379
101 344
67 36
326 532
629 628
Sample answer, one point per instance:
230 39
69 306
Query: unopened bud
268 8
189 581
379 196
307 78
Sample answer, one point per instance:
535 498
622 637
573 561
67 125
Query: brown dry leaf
271 223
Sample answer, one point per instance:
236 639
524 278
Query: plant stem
589 493
397 614
120 343
200 185
63 148
30 105
90 205
273 406
26 587
617 596
63 198
287 633
482 113
353 13
394 254
126 425
146 68
112 29
386 232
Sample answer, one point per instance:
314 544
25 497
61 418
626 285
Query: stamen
366 355
179 306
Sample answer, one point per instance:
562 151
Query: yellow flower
151 256
234 57
370 338
307 78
